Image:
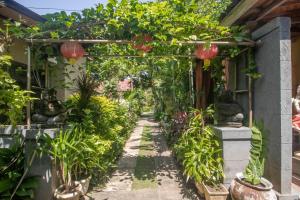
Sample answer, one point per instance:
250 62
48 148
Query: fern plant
255 168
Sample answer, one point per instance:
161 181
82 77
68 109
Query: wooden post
198 83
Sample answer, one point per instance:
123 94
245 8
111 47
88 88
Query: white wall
63 78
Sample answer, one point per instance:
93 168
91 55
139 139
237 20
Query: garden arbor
131 39
247 44
112 32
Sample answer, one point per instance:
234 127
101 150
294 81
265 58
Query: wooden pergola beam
88 41
238 11
148 56
271 8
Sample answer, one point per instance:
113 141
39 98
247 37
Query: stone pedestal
7 135
236 143
42 166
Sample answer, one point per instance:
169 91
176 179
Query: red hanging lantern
72 51
141 42
206 53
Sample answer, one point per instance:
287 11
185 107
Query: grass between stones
144 174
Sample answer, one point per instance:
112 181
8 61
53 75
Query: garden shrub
174 127
135 99
105 125
199 150
12 98
102 116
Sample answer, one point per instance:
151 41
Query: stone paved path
170 184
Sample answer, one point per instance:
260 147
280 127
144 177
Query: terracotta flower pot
240 189
72 195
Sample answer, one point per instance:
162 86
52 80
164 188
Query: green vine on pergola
176 27
170 23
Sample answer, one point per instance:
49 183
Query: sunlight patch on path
121 179
144 174
146 170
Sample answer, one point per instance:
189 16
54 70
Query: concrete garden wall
236 143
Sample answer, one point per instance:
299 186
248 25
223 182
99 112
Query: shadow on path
148 162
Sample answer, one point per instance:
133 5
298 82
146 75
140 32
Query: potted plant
251 184
200 152
64 150
85 162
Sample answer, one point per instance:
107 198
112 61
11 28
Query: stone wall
272 100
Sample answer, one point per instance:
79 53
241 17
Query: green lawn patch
144 175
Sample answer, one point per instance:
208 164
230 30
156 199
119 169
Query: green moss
144 175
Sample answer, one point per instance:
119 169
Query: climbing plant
169 23
12 98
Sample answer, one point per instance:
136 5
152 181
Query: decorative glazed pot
241 189
72 195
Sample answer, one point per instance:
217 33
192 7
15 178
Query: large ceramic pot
85 183
240 189
73 195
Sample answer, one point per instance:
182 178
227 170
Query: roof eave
23 10
238 11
